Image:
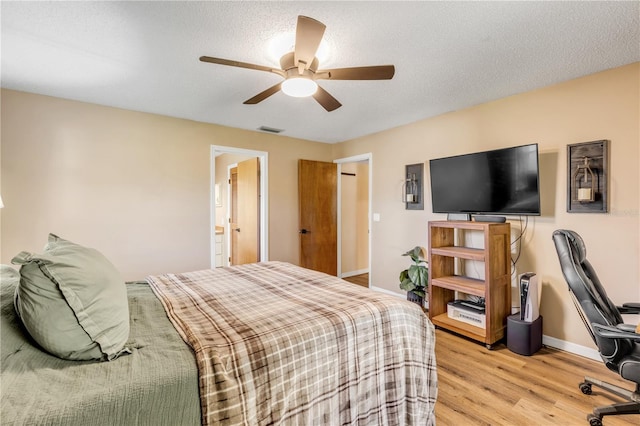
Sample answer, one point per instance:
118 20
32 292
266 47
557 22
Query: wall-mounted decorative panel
413 188
587 177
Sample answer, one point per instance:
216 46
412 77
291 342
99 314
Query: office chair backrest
590 298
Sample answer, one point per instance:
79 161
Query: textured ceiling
143 56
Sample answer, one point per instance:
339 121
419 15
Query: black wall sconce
412 188
587 177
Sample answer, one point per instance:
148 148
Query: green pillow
73 301
8 275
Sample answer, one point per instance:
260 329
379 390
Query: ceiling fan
300 68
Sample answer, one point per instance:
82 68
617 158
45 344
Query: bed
264 343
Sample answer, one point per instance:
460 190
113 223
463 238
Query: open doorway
354 218
221 229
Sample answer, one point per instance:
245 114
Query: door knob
304 231
237 229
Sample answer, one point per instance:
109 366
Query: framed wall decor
412 189
588 177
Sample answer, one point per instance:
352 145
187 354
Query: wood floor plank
361 280
477 386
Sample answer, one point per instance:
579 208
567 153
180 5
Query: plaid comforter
279 344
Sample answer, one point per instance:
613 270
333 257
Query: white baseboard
389 292
571 347
352 273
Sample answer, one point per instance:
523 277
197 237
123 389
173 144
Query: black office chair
618 344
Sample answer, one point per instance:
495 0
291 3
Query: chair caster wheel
593 420
586 389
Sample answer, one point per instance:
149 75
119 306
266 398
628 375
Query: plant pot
412 297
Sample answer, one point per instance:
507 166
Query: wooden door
317 197
245 212
247 230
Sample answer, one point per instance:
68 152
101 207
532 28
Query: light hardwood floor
477 386
361 280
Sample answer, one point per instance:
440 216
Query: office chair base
631 407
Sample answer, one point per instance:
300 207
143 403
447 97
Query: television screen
502 181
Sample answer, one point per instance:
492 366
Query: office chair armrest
629 308
614 332
626 327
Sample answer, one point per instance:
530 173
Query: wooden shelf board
463 224
463 284
460 327
461 252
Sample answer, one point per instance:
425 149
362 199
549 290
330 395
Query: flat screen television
499 182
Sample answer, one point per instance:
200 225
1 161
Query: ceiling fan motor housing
287 63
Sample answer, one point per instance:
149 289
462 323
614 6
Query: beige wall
354 204
600 106
135 186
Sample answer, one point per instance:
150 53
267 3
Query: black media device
499 182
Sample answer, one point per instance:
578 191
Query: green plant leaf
417 252
414 254
407 285
414 273
419 275
424 276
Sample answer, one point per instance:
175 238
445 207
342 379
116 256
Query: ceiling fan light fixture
299 87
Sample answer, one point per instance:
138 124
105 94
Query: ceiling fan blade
263 95
239 64
327 101
377 72
309 34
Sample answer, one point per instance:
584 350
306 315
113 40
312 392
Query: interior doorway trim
227 219
264 196
368 157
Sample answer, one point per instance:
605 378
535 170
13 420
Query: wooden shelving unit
444 282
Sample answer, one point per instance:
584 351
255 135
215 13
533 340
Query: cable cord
518 240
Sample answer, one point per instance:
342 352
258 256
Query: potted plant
414 280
